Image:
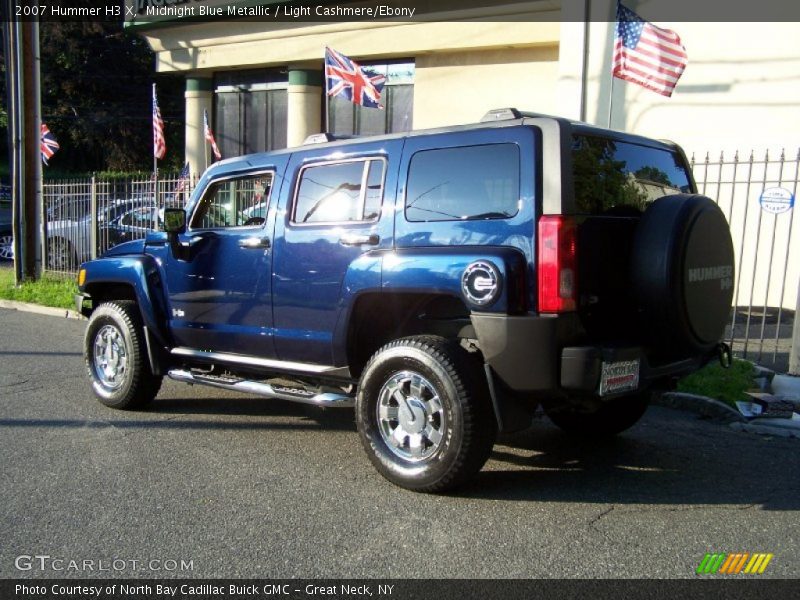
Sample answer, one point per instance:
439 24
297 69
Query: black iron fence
83 218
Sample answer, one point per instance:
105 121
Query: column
198 97
304 110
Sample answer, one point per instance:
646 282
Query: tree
96 98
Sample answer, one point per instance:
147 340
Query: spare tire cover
682 271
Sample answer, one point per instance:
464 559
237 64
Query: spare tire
682 271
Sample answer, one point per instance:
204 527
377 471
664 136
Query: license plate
622 376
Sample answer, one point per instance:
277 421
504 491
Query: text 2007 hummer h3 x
445 282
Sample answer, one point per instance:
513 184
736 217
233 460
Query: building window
251 111
347 118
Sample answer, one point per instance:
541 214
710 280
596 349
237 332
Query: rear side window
340 192
619 177
465 183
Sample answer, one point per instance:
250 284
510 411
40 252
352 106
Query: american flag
183 177
48 144
159 144
210 136
346 78
648 55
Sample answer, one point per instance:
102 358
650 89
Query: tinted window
472 182
234 203
619 176
335 193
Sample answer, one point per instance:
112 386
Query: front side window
340 192
240 202
465 183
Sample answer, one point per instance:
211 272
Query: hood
132 247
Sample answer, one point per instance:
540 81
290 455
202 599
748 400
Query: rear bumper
538 355
581 367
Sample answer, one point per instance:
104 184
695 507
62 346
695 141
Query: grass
47 291
726 385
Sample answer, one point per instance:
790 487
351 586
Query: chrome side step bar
327 399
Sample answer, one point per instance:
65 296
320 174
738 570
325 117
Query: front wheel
116 357
424 415
606 419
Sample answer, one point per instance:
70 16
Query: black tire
456 433
116 357
607 419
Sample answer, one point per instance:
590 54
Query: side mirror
174 220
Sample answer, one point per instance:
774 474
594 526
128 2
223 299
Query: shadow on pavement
670 459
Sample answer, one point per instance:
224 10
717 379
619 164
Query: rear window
620 177
464 183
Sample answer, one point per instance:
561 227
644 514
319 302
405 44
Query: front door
218 275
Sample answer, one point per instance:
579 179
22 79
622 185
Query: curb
701 405
776 430
41 310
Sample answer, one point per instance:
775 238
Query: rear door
334 211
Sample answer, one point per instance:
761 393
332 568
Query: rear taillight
557 264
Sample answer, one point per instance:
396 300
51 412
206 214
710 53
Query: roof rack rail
321 138
508 114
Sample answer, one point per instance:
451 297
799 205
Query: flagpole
155 159
327 108
325 91
611 100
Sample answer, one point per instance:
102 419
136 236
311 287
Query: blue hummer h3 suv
444 282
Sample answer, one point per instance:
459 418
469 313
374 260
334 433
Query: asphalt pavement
234 486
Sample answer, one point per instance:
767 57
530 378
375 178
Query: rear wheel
602 420
116 357
424 415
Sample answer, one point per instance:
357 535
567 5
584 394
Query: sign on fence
776 200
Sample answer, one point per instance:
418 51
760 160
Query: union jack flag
48 144
159 143
210 136
348 79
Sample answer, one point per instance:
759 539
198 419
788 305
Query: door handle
193 241
359 240
254 242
